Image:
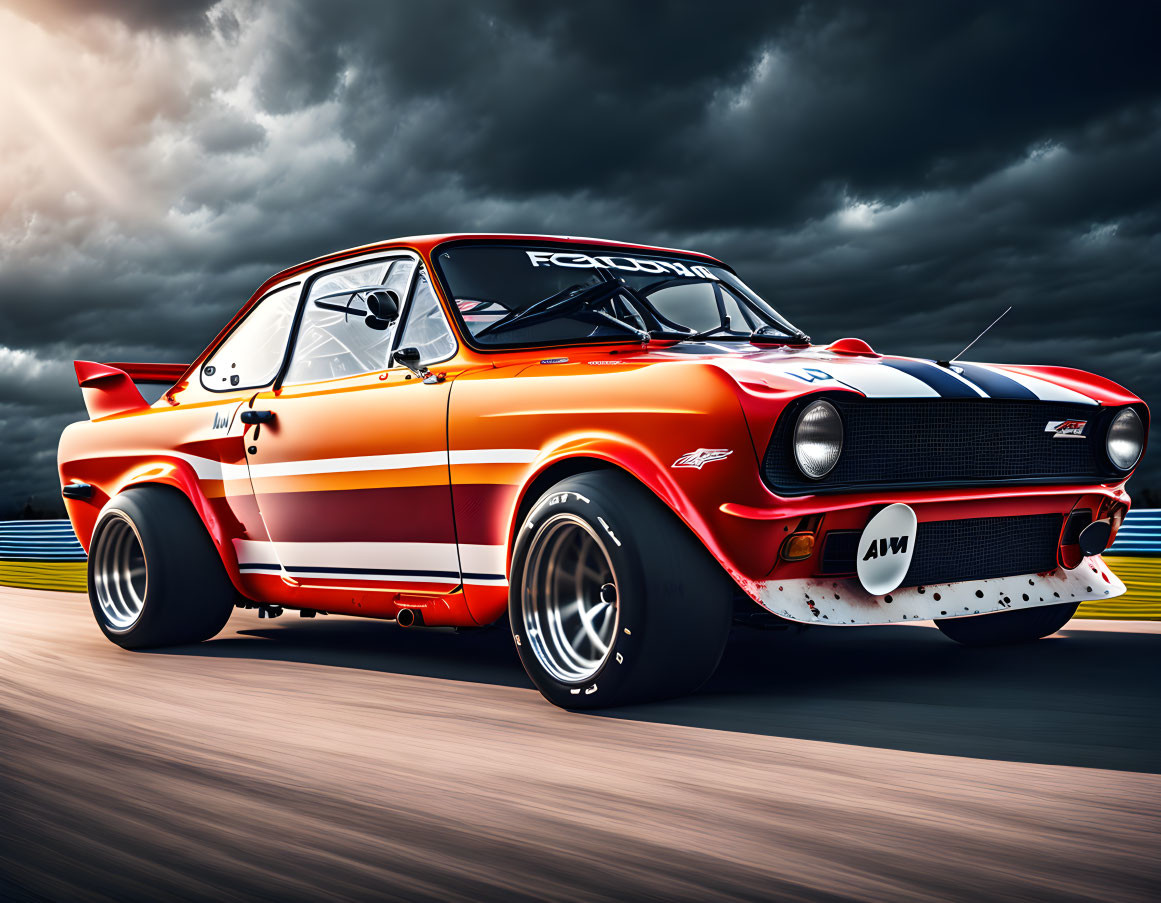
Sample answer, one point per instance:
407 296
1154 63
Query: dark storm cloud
902 172
670 107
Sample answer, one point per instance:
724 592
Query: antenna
947 363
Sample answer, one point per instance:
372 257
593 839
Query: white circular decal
885 549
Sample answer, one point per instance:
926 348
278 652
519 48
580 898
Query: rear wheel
155 578
612 599
1005 627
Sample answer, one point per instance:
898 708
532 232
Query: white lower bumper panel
824 600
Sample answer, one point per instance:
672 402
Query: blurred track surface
333 758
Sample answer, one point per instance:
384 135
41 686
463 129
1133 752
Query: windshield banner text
629 264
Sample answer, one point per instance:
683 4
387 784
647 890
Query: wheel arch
179 478
623 458
547 476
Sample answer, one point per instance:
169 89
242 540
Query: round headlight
1126 439
818 439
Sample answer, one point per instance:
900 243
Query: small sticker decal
703 456
1066 429
810 375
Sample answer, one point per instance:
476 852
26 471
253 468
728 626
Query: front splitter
843 601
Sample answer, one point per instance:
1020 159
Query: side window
425 326
250 356
334 339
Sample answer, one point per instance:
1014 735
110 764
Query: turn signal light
798 546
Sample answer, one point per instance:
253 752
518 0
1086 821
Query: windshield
513 295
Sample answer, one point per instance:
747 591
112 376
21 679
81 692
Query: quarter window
334 339
426 327
250 356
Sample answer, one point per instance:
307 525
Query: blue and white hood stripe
913 378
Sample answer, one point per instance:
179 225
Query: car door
350 468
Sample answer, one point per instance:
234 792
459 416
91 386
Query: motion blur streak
325 758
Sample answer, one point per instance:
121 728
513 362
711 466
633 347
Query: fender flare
179 475
621 453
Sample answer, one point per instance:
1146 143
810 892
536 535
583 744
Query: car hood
797 371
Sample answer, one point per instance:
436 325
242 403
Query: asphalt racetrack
333 758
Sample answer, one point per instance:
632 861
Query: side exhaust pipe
409 617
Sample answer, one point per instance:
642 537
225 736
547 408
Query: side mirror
408 357
382 308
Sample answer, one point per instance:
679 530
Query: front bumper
842 601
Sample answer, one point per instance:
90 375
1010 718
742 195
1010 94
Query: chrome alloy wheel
120 575
569 599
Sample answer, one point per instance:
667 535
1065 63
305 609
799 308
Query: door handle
251 417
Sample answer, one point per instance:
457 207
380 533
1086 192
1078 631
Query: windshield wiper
763 332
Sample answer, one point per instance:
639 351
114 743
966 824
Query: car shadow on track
479 656
1083 697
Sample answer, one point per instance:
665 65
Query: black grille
943 441
948 551
984 547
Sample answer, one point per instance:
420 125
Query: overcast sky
900 172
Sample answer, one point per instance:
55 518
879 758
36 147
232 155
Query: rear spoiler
152 373
110 389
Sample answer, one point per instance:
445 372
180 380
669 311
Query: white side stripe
477 559
416 556
393 462
204 468
494 455
482 563
348 465
208 469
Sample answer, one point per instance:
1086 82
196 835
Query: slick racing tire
613 600
155 578
1005 627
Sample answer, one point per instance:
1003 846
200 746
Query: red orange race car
623 449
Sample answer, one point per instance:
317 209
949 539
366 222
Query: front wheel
613 600
1006 627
